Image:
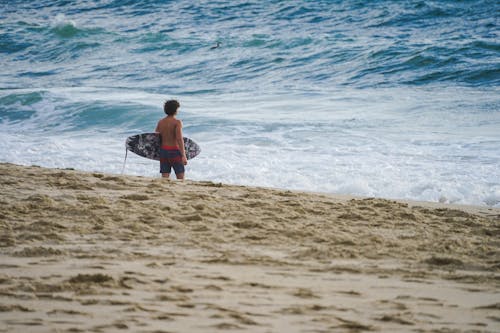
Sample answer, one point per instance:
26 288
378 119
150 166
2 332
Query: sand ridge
90 252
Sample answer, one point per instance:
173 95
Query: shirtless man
172 153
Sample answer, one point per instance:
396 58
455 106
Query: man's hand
184 160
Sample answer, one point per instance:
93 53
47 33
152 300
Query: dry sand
89 252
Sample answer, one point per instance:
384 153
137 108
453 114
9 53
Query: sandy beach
91 252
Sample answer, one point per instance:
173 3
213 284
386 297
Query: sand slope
89 252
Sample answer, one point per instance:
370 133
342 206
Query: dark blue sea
394 99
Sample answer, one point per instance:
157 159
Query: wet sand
91 252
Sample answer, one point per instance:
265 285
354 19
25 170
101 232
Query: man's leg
179 169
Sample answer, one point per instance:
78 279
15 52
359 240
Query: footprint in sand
135 197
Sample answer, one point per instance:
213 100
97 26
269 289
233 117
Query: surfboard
148 145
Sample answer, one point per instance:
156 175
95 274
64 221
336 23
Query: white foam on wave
360 174
365 143
372 145
61 21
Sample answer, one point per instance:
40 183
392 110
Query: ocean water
393 99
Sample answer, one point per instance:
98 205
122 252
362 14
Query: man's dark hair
170 107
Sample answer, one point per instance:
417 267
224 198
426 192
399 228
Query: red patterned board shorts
171 157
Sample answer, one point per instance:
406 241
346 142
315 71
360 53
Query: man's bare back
169 129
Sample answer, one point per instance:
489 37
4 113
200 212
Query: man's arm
180 141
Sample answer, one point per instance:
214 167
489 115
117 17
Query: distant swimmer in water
216 46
